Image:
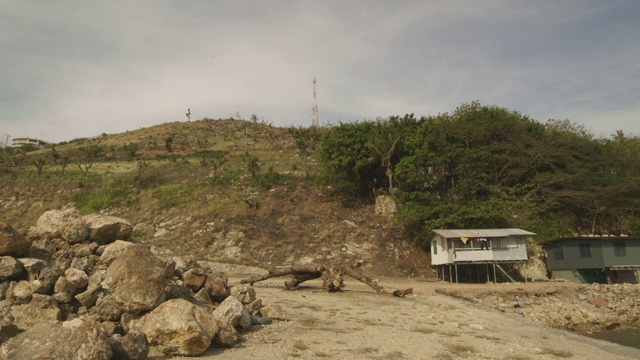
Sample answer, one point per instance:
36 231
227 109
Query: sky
71 69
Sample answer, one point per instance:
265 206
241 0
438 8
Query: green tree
253 165
39 163
383 143
307 142
168 142
85 158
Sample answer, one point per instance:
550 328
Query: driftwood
332 278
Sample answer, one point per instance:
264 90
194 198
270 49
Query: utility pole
314 108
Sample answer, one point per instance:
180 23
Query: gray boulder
105 229
178 327
12 242
78 339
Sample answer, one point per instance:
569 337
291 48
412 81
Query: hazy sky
72 69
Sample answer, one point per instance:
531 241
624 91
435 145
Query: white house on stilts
479 251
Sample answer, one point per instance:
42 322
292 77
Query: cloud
79 69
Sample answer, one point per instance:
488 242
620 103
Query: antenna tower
314 108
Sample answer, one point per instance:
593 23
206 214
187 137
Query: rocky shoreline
583 308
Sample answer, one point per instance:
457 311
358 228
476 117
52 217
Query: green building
588 259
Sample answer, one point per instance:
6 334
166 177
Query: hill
224 190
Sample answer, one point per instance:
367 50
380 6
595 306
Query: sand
358 323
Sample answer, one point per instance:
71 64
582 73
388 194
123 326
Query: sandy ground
360 324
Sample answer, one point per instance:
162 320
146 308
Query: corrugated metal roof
473 233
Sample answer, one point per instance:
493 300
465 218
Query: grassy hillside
188 189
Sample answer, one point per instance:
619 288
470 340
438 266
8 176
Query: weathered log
332 278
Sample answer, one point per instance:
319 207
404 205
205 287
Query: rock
107 309
89 297
184 263
245 293
178 327
385 206
273 311
42 308
10 268
131 346
42 249
63 285
77 277
193 279
254 307
21 292
599 302
105 229
112 251
67 225
83 249
232 311
227 335
48 277
81 263
12 242
216 287
202 298
32 267
78 339
136 278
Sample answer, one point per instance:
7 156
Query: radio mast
314 108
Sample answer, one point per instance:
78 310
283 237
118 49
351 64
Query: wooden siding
572 256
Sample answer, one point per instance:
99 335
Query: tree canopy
487 166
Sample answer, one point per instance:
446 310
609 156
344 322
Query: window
619 249
435 247
558 253
585 250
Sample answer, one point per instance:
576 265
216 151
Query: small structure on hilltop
599 259
463 252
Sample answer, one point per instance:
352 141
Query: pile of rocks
585 308
77 287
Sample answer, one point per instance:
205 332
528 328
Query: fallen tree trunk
332 278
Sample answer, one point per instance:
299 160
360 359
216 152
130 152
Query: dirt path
360 324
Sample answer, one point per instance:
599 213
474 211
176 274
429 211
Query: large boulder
65 224
105 229
12 242
78 339
136 278
178 327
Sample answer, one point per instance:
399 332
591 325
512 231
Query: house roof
591 237
474 233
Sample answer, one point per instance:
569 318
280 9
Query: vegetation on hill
253 193
486 166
